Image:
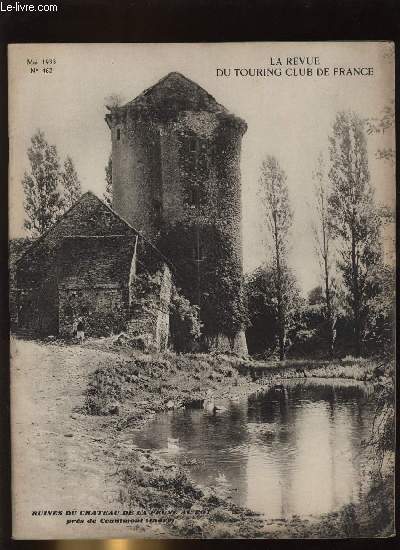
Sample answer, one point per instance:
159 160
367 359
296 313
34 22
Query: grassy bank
350 368
137 386
152 483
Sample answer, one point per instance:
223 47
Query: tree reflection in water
295 448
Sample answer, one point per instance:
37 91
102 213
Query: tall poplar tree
274 196
71 186
322 230
353 216
43 202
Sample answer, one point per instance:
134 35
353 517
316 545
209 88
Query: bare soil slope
62 460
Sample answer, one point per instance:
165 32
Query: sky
288 116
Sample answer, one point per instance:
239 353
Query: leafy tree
380 125
314 333
273 193
49 189
316 296
379 330
322 231
107 195
263 332
43 202
70 183
353 217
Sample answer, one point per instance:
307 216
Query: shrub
184 322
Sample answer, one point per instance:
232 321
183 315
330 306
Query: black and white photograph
202 290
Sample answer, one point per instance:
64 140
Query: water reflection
292 449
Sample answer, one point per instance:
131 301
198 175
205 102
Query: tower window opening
193 144
118 134
68 311
196 154
157 207
203 161
198 252
194 195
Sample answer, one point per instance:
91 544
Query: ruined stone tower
176 178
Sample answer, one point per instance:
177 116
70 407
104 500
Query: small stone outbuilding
86 266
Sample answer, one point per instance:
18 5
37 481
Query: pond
295 448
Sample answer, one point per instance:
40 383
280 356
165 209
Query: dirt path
61 460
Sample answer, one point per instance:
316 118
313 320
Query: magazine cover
202 281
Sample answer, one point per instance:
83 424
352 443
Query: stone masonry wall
103 310
37 308
149 313
93 274
163 302
136 174
16 248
